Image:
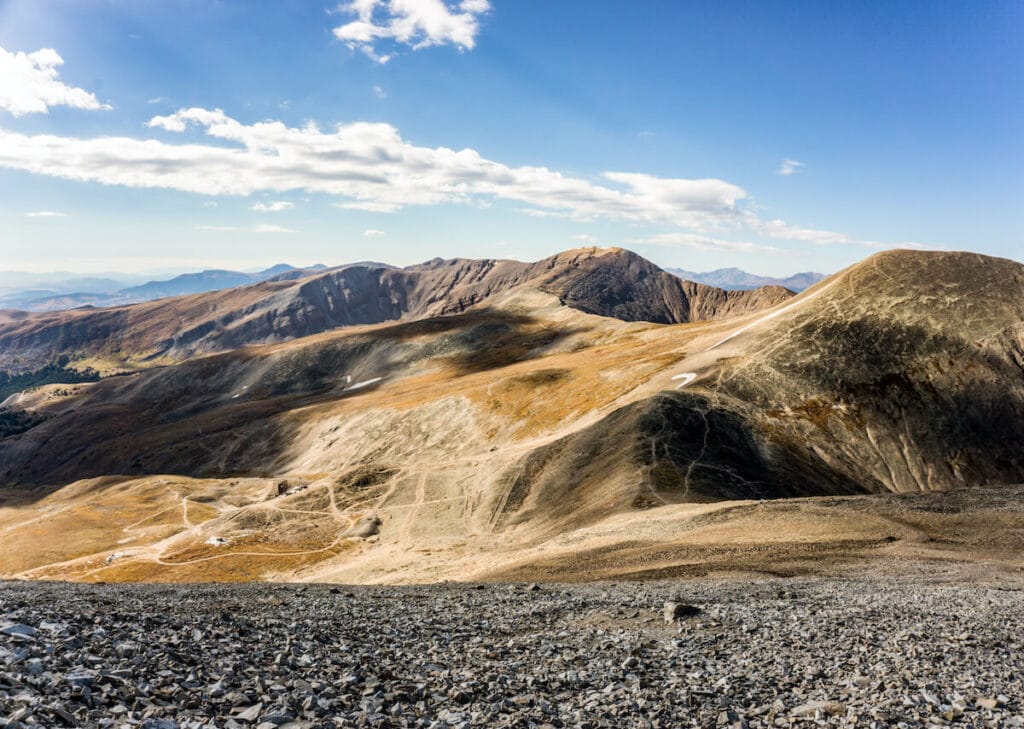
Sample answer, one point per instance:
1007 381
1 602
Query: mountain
64 281
584 416
194 283
107 292
19 291
734 278
607 282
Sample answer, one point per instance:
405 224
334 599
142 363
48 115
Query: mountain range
588 415
60 291
735 278
76 292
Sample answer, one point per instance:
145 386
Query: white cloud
702 242
379 92
156 100
239 229
29 85
270 229
373 233
210 204
414 23
781 230
369 166
45 214
274 207
789 167
585 238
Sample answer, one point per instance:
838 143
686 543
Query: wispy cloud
242 229
29 84
274 207
781 230
413 23
789 167
369 166
702 242
270 229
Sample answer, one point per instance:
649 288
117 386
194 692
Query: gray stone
674 611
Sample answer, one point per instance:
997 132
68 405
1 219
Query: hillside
522 436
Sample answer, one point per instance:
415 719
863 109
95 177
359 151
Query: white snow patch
686 377
364 383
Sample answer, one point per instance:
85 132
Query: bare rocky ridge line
605 282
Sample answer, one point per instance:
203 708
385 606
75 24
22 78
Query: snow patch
686 377
364 383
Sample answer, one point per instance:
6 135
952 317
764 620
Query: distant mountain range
77 292
733 279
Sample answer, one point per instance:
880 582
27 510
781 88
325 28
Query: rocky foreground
839 652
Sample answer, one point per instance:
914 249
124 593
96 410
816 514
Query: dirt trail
800 301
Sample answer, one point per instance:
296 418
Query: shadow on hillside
195 419
499 344
404 331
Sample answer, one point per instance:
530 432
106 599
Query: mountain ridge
736 278
607 282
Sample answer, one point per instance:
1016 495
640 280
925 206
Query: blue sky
183 134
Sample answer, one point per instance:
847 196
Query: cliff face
624 285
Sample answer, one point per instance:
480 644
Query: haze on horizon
773 137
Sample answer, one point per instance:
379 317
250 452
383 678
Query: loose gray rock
674 611
913 651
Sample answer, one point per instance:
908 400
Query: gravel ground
815 651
